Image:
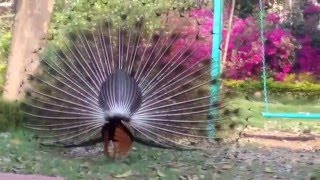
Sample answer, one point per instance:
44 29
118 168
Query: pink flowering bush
308 57
285 52
273 18
312 9
244 58
191 35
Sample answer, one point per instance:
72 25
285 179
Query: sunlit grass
253 108
20 153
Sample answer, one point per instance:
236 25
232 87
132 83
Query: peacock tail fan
151 80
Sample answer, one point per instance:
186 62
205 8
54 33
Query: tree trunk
29 31
229 30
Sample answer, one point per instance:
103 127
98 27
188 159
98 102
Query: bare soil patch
279 139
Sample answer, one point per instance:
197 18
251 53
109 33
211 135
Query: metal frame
216 60
266 113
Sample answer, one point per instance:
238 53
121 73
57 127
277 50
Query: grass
252 108
19 153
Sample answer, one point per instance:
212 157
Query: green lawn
252 108
19 153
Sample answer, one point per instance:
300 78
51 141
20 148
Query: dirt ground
285 140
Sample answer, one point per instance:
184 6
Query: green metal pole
216 60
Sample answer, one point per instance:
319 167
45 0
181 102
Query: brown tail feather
117 141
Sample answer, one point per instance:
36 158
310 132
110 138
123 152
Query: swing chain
264 68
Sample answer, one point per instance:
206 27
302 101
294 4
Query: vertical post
216 60
30 27
264 66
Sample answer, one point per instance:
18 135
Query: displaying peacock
121 83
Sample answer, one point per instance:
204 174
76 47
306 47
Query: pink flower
280 76
287 69
273 18
275 35
201 13
239 26
244 53
313 9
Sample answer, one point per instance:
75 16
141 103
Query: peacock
122 83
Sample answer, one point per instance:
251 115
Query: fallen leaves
160 174
123 175
15 141
226 167
158 164
268 170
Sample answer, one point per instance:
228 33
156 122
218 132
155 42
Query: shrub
5 41
304 88
10 116
82 14
244 58
285 51
308 57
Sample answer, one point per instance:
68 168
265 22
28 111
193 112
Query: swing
266 113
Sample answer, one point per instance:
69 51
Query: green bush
10 116
304 88
72 15
5 40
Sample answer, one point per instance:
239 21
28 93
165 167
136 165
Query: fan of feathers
120 83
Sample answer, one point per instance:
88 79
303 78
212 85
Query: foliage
5 41
5 33
245 8
308 57
10 116
312 9
285 51
190 33
244 58
302 77
72 15
304 88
